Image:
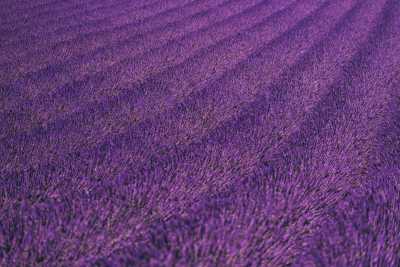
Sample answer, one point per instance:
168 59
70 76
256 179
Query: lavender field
200 133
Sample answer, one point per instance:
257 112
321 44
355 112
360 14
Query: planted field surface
200 133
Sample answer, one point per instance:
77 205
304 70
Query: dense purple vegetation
200 133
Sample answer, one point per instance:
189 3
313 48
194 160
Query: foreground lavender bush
200 133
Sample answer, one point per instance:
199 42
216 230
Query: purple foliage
200 133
